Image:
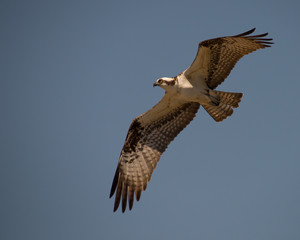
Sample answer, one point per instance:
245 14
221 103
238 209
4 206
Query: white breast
192 91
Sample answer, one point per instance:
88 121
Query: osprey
150 133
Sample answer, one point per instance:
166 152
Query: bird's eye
160 81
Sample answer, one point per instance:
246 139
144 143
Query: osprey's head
165 82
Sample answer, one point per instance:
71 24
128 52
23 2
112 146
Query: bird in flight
150 133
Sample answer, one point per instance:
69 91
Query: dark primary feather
142 149
224 53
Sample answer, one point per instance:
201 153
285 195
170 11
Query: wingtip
130 206
252 30
265 42
112 191
138 194
124 197
246 33
114 183
116 206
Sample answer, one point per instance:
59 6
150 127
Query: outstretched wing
216 57
147 138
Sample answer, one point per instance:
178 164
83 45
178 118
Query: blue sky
74 74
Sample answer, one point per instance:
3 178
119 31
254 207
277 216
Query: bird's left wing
216 57
147 138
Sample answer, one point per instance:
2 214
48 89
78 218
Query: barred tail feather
229 98
222 104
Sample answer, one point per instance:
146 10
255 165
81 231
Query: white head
165 82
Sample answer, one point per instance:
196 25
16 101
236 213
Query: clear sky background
73 76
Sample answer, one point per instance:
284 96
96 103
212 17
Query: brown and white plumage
148 137
221 54
150 133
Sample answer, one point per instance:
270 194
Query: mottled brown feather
222 55
142 149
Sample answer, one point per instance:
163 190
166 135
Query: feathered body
150 133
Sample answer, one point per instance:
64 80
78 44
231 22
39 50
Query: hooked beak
155 84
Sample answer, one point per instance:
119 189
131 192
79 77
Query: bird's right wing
216 57
147 138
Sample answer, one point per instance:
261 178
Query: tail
222 103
